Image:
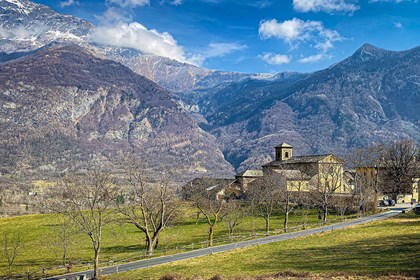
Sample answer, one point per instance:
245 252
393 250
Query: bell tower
283 151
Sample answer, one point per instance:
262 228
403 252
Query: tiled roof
300 159
250 173
290 174
284 145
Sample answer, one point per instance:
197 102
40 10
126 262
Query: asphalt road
228 247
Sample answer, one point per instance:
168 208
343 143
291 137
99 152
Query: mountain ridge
63 102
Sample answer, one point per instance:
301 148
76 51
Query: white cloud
276 59
129 3
398 25
215 50
296 30
176 2
114 15
135 35
20 32
118 29
314 58
329 6
221 49
289 30
67 3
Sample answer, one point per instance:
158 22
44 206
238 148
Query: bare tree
86 200
11 249
343 204
63 240
212 210
264 195
290 196
399 159
234 216
327 183
150 207
366 163
203 195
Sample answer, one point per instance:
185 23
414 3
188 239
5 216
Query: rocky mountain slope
65 107
27 26
372 96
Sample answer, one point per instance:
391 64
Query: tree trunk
375 204
155 242
96 264
286 220
267 226
325 214
211 233
230 230
149 245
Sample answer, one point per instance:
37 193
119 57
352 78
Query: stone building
307 172
301 173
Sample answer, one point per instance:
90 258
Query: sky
260 36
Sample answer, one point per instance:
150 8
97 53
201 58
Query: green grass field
379 249
41 248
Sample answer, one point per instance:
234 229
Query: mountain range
66 101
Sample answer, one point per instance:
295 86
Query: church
301 173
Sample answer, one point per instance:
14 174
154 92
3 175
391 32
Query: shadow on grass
396 254
124 249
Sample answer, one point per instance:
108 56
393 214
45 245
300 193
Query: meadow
388 249
41 250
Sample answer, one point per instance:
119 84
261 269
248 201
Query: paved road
223 248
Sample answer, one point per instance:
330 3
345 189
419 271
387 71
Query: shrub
171 276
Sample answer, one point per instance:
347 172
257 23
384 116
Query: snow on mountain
27 26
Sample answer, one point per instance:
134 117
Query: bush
171 276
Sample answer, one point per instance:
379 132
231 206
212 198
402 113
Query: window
286 154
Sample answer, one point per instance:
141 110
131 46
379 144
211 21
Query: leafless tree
11 249
235 213
208 203
399 159
264 195
150 207
290 197
63 239
343 204
366 175
86 200
327 183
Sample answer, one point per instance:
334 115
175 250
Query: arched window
286 154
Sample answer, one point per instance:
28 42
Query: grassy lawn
377 249
41 248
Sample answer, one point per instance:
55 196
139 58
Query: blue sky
251 36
